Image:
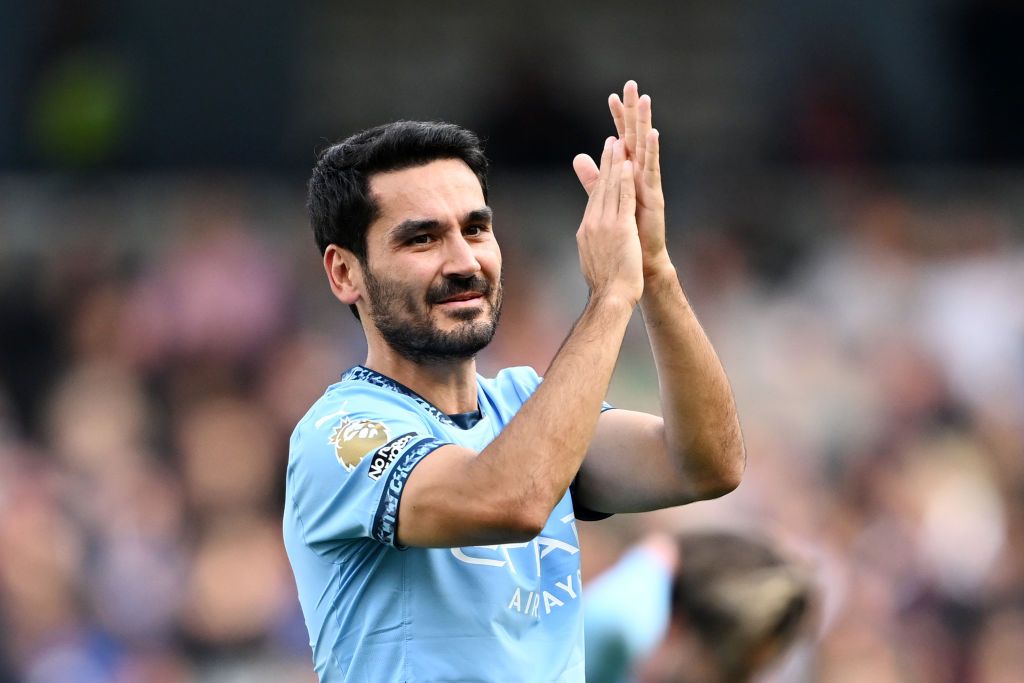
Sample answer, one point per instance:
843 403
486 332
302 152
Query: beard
402 316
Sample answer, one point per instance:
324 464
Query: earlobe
343 274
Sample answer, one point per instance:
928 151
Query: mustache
451 286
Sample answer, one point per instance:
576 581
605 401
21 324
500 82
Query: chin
468 314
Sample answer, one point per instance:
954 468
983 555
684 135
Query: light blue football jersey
378 612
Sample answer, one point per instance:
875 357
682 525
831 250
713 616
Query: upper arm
628 467
450 501
391 480
346 474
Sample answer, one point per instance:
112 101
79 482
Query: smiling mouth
462 300
462 296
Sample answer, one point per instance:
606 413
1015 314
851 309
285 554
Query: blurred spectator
705 607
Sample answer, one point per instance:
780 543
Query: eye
421 239
474 230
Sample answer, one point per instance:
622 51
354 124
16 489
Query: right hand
608 242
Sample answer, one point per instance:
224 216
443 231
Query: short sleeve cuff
385 521
582 512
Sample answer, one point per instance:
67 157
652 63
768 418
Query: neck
450 385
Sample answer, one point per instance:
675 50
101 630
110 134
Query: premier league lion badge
354 439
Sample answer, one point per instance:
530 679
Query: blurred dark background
93 85
845 203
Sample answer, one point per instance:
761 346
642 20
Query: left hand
632 116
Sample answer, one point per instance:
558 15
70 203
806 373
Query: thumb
586 171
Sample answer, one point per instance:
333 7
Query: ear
344 273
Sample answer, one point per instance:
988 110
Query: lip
461 301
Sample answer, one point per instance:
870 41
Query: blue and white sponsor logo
386 455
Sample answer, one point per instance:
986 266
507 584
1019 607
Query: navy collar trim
466 420
365 374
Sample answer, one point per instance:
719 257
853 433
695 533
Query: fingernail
608 141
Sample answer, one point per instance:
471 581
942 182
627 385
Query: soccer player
430 512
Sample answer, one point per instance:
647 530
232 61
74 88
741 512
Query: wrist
612 300
659 273
661 288
658 267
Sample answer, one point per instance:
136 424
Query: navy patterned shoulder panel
364 374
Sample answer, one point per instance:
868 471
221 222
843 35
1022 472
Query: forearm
506 492
540 451
702 431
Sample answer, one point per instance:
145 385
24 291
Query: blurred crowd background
845 205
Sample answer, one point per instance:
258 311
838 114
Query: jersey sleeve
347 471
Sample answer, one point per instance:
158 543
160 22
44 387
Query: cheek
399 296
490 262
413 296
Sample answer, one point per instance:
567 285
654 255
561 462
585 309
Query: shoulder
355 410
520 381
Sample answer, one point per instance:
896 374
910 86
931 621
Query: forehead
442 189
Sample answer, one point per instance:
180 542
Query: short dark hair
339 202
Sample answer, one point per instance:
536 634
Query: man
430 513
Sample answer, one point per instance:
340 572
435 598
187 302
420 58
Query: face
433 272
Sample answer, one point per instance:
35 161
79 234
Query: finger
595 206
586 171
652 161
618 114
643 127
611 185
630 101
627 191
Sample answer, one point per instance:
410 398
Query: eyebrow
482 215
408 229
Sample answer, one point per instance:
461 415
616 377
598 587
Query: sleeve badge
354 439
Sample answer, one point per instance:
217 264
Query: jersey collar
364 374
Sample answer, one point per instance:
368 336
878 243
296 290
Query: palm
632 116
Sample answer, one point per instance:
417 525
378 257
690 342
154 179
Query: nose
460 258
